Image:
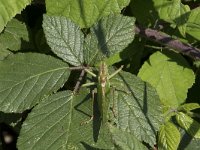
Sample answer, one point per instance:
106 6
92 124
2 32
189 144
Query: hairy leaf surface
84 12
26 78
188 142
109 36
64 38
170 74
9 8
56 124
126 141
137 107
169 137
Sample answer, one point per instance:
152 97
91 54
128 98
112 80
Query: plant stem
165 39
77 86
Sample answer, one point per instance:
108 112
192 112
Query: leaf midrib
31 77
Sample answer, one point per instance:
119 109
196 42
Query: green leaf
86 12
126 141
188 142
14 35
64 38
26 78
9 8
193 23
109 36
137 107
168 137
173 12
191 126
189 106
4 54
55 123
170 74
145 16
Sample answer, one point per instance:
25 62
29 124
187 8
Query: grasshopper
103 88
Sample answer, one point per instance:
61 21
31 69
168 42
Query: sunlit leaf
168 137
85 12
9 8
64 38
190 125
170 74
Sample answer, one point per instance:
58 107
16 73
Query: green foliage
193 23
190 125
125 140
65 39
138 111
170 74
62 130
174 12
48 99
14 35
110 35
26 78
84 13
189 107
169 137
9 8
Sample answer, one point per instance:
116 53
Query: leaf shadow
96 121
186 138
12 132
101 37
83 15
173 57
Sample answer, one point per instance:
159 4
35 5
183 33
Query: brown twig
164 39
77 86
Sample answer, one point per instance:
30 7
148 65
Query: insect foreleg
91 73
88 84
116 72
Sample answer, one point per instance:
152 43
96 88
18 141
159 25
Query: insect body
103 89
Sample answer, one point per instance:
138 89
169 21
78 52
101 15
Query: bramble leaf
193 23
4 53
126 141
26 78
109 36
168 137
9 8
191 126
189 106
188 142
137 107
14 36
85 13
64 38
57 121
173 12
170 74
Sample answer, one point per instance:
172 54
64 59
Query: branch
164 39
77 86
